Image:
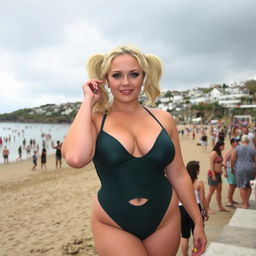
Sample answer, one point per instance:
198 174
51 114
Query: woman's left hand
200 240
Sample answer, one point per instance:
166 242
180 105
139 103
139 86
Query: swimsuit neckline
130 154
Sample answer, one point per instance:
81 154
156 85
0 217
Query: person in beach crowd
221 135
43 159
19 153
58 154
212 135
24 143
187 224
251 137
1 141
28 149
136 152
204 141
193 134
43 144
6 153
230 177
243 162
214 176
34 160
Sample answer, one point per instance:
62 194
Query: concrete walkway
238 238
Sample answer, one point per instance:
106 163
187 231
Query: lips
126 91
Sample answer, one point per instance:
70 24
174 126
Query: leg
165 241
231 189
112 241
249 191
209 197
218 198
243 195
184 246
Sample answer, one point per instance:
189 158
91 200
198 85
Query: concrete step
244 218
221 249
238 236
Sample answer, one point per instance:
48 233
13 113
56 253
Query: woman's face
222 147
125 78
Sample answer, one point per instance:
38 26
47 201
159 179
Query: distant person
19 154
204 141
58 154
6 155
193 134
250 136
187 224
230 177
43 159
34 160
212 136
28 149
243 161
214 176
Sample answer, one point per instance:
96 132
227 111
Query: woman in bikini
137 156
214 176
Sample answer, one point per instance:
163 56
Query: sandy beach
47 212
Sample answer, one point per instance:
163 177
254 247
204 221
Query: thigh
165 240
112 241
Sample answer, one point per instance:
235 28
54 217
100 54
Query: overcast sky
44 44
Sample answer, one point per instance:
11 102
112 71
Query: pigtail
153 76
95 71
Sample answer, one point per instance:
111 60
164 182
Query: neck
120 107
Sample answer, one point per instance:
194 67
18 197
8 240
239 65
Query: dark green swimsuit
125 177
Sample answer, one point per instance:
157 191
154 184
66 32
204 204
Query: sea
14 135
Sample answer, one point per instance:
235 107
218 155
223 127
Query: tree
168 94
251 86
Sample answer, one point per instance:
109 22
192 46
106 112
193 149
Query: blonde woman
137 156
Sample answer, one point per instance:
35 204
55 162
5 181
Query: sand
47 212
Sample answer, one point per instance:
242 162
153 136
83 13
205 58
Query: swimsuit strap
103 121
153 116
105 116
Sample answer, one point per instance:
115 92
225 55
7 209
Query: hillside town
198 105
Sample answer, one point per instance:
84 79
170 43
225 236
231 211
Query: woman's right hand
92 90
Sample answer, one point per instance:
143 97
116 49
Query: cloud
45 44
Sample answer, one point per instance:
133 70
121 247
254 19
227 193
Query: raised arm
79 144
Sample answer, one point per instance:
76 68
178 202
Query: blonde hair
245 138
99 64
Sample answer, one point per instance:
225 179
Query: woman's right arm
212 158
226 157
202 196
79 144
233 161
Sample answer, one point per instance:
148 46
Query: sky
45 44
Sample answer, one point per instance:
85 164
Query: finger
94 88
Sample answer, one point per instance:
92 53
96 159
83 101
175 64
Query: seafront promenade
238 237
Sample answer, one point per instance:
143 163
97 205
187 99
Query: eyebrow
137 70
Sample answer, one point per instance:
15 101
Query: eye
134 74
116 75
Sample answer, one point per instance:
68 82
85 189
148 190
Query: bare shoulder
200 184
165 118
213 153
97 119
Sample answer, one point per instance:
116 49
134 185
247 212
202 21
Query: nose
125 80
